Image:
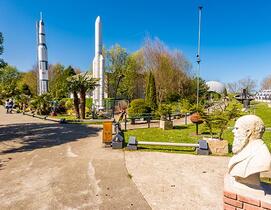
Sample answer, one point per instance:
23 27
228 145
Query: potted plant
196 117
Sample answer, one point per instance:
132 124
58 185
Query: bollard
149 120
125 122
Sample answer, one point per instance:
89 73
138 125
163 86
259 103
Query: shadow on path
31 136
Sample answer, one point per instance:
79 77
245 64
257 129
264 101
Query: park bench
201 148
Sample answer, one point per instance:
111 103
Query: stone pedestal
217 146
238 196
166 124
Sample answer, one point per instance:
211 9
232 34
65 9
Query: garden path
178 181
45 165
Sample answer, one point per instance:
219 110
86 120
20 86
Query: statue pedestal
166 124
241 196
217 146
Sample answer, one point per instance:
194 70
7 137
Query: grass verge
186 134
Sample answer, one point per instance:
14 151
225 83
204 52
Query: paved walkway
178 181
45 165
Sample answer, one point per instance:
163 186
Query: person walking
7 105
10 106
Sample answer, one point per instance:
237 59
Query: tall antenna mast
198 55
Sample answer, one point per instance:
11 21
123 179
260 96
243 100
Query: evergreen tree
150 95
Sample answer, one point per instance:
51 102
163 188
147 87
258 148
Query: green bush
69 103
217 121
138 107
165 110
108 103
89 103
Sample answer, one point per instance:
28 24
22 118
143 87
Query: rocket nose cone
98 19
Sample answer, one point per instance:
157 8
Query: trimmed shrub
165 111
138 107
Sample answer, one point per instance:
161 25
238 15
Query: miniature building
263 96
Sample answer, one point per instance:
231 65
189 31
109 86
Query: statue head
247 128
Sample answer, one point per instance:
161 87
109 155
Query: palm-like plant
81 83
42 104
22 101
73 87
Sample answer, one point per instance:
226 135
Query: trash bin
107 132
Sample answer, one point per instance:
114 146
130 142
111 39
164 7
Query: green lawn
70 117
263 111
65 116
180 134
186 134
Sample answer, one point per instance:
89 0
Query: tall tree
9 78
233 87
132 77
2 62
245 83
72 87
56 81
170 69
30 79
248 83
116 60
150 94
266 83
192 91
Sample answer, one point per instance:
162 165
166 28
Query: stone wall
233 201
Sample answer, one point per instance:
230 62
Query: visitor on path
7 104
10 106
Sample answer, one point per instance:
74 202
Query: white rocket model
98 66
42 58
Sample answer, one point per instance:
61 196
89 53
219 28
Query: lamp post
115 95
198 55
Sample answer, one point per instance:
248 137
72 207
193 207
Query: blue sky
236 34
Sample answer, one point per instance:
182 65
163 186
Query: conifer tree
150 94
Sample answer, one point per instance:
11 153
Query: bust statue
251 155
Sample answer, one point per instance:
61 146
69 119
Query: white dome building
215 86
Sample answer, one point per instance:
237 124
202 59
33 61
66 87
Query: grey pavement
45 165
